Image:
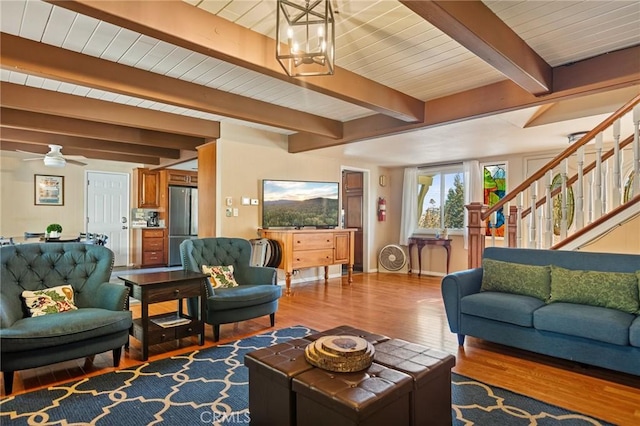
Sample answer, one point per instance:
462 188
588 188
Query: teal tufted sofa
256 295
576 320
100 323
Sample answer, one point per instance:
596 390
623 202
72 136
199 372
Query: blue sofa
581 319
99 324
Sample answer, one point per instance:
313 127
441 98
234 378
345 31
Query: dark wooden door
353 205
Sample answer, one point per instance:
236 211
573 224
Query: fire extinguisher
382 209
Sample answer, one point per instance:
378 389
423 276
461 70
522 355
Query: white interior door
108 211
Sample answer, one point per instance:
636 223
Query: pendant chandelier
305 37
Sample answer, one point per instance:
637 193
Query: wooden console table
428 241
156 287
308 248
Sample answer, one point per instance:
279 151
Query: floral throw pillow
220 276
49 301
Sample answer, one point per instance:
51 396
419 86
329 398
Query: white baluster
590 197
539 239
580 190
605 187
519 219
548 234
507 218
492 221
617 162
597 184
636 150
564 204
532 219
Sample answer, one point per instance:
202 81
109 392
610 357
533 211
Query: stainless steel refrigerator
183 219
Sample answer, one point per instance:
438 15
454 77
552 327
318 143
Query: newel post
476 228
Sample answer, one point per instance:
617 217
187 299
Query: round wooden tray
340 353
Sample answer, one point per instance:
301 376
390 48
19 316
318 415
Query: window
441 198
494 186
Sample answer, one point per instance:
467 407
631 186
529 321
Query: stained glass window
495 187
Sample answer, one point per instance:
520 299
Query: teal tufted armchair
256 295
100 323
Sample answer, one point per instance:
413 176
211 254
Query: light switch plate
245 201
235 211
254 201
229 201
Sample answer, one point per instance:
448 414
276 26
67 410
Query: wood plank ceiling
148 81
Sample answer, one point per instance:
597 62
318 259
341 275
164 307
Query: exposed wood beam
159 123
19 54
477 28
543 109
26 120
206 33
97 155
38 138
606 72
27 98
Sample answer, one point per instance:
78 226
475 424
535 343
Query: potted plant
54 230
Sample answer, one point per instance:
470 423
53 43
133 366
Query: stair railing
550 205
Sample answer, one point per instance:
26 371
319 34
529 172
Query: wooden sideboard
308 248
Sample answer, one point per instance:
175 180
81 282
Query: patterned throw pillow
221 276
516 278
49 301
616 290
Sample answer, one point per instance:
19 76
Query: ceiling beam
96 155
206 33
478 29
28 98
38 138
613 70
45 123
30 57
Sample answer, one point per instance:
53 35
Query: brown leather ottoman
271 401
431 372
347 330
377 396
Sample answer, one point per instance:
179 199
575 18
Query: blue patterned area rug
210 386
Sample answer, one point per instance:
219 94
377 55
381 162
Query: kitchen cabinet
148 188
181 177
152 250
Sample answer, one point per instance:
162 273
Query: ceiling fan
53 158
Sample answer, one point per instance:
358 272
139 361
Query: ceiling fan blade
77 163
33 159
29 152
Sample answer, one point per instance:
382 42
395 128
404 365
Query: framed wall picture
49 190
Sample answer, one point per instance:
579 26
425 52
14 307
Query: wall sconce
383 180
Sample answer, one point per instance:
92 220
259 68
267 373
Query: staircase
554 209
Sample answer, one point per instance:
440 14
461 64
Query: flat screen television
297 204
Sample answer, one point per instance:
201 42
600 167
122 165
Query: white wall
18 212
246 156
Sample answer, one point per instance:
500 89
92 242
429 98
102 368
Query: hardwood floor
405 307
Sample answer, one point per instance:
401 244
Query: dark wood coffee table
157 287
